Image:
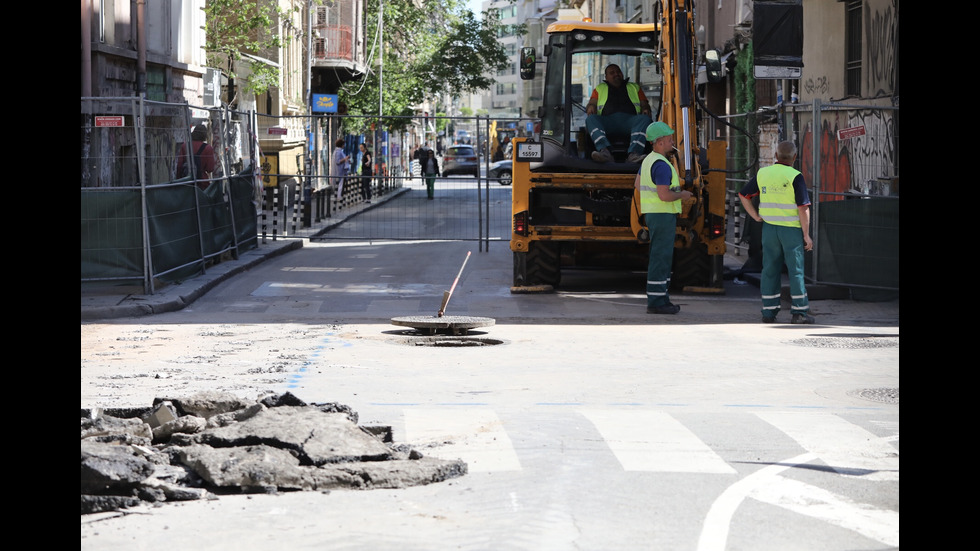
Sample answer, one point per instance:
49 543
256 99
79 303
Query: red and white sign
109 121
848 133
277 131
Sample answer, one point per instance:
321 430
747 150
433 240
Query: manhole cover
884 395
453 325
850 342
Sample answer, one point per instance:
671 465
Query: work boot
602 156
635 158
802 319
664 309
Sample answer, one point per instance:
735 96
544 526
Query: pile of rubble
214 443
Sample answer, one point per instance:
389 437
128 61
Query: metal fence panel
849 159
849 153
140 222
462 209
112 235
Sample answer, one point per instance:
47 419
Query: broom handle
449 293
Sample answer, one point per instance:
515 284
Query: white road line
877 524
654 441
474 435
766 485
844 446
714 532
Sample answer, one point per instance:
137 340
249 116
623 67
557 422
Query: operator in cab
621 108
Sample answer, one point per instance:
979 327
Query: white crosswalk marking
654 441
474 435
844 446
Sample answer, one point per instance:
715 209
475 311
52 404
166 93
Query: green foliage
441 122
427 51
236 27
745 103
469 56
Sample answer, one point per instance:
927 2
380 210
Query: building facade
143 48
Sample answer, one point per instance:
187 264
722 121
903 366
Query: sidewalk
122 301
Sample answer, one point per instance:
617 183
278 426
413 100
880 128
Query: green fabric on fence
175 232
858 245
112 234
242 189
186 226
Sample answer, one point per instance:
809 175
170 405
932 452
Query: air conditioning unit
743 13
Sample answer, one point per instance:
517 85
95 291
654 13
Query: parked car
501 172
461 159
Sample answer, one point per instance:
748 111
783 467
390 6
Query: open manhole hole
453 341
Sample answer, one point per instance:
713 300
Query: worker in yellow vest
784 210
660 203
617 107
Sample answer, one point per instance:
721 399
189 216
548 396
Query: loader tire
692 267
540 265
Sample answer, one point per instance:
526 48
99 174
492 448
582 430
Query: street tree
237 27
424 51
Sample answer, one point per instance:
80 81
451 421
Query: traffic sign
109 121
852 132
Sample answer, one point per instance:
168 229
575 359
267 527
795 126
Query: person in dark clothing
367 173
430 169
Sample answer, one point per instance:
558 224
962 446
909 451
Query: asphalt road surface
585 422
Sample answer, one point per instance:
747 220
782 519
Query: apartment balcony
339 51
335 44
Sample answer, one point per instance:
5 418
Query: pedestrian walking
341 164
367 173
784 210
660 203
430 168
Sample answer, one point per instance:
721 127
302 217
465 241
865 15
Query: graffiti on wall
881 41
863 164
834 161
876 150
819 86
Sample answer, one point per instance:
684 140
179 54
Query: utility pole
311 132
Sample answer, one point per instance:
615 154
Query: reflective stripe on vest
649 200
777 198
632 89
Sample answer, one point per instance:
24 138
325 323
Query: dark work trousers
662 228
366 186
782 245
